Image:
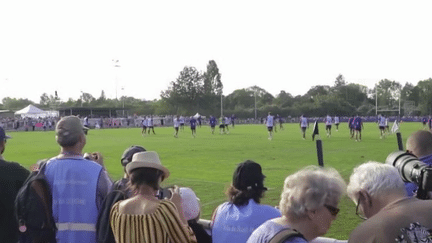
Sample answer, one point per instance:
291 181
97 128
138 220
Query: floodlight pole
123 98
82 98
400 96
221 105
376 99
116 64
255 105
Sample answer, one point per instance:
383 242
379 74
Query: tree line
201 91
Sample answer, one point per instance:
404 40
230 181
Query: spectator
12 177
120 191
191 210
144 217
419 144
380 195
78 185
126 158
308 205
235 220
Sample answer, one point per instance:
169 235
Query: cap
68 129
129 152
147 159
190 203
3 135
248 175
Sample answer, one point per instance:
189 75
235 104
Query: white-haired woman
308 205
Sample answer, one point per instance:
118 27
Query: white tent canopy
31 111
197 115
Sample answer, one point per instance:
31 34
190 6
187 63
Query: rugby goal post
387 108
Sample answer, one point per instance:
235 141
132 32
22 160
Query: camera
164 193
411 169
91 156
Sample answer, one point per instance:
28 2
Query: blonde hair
309 189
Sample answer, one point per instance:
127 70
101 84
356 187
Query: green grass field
206 163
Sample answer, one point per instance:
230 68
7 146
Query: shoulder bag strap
285 234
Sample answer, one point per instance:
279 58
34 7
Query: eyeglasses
333 211
357 212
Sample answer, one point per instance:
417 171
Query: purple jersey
213 121
193 122
350 122
357 123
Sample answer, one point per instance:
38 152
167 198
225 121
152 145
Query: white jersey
150 122
386 121
336 119
144 122
176 122
270 121
227 120
303 122
328 120
86 123
382 121
182 120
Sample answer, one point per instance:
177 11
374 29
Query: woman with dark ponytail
234 221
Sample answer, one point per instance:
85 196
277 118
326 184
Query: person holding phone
144 217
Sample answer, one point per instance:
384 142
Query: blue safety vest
236 223
73 183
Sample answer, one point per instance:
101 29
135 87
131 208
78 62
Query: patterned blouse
162 226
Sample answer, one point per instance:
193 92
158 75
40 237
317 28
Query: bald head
420 143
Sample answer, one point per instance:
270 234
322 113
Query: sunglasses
357 210
333 210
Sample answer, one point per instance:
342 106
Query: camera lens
409 166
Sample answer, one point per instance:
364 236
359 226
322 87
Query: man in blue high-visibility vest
78 185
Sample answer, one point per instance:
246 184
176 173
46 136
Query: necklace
69 154
146 196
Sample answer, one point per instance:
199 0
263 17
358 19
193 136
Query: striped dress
162 226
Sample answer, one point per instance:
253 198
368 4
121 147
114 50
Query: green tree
284 99
262 96
425 91
212 89
411 93
186 92
15 104
212 84
388 93
340 81
87 98
240 99
44 99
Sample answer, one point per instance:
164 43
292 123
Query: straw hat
147 159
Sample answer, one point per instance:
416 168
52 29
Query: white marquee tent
31 111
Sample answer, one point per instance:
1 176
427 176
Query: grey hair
376 178
309 189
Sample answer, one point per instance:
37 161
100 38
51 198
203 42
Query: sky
69 46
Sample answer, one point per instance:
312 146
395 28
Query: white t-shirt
269 121
144 122
382 121
176 122
303 122
336 119
328 120
227 120
150 122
